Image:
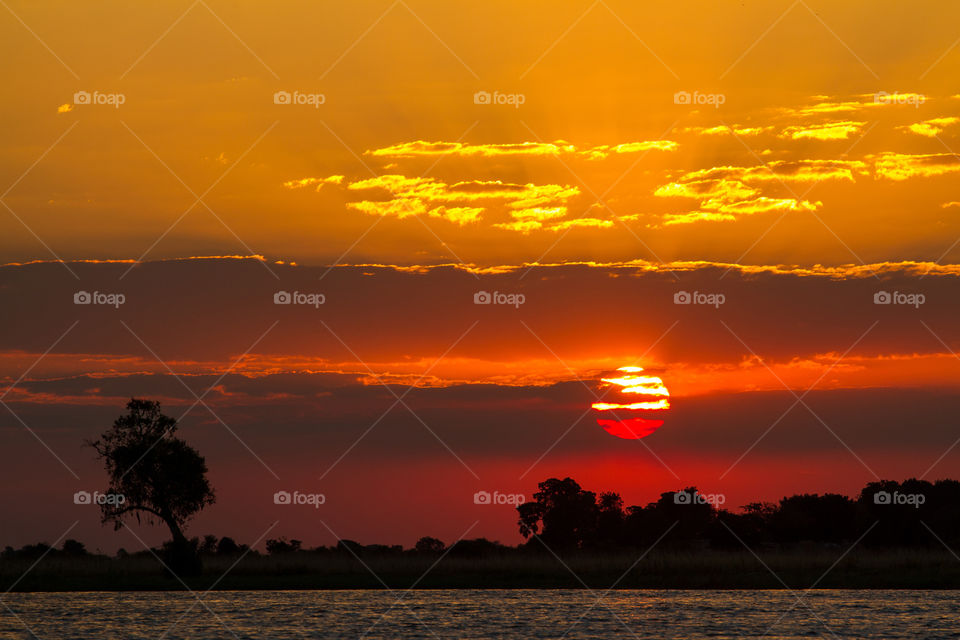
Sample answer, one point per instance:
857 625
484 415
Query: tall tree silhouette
563 514
161 478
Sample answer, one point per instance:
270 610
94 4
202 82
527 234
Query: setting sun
633 420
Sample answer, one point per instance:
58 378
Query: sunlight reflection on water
483 614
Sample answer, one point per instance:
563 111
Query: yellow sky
426 132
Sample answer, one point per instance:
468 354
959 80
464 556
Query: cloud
931 128
902 166
720 130
458 215
582 222
421 148
783 171
65 108
730 192
459 203
527 220
718 211
309 182
831 105
540 214
826 131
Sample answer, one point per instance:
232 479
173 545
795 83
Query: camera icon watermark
914 99
497 498
99 298
512 99
485 297
298 98
697 98
98 98
715 500
98 498
710 299
897 297
885 498
297 498
297 297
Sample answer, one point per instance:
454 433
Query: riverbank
861 569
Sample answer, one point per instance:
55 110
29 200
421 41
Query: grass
861 569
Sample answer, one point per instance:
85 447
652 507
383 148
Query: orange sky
825 133
598 159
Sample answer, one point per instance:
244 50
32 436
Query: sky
755 202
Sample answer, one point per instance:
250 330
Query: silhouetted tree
427 544
209 545
610 520
685 511
475 548
815 518
561 513
73 547
160 477
350 547
281 546
227 547
750 526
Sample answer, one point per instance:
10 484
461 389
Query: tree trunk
182 558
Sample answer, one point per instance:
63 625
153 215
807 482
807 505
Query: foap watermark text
697 98
297 498
298 297
512 499
497 297
698 297
99 98
898 297
695 497
299 98
896 498
98 498
511 99
100 298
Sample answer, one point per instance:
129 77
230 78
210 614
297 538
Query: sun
642 401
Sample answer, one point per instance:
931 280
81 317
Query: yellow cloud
399 208
433 190
581 222
526 224
902 166
522 226
696 216
931 128
726 130
828 105
408 197
458 215
307 182
728 193
539 213
826 131
715 210
782 171
65 108
419 148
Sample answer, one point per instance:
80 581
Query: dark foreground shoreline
861 569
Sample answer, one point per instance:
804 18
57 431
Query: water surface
505 613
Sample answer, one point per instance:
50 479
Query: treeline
563 517
912 513
211 546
